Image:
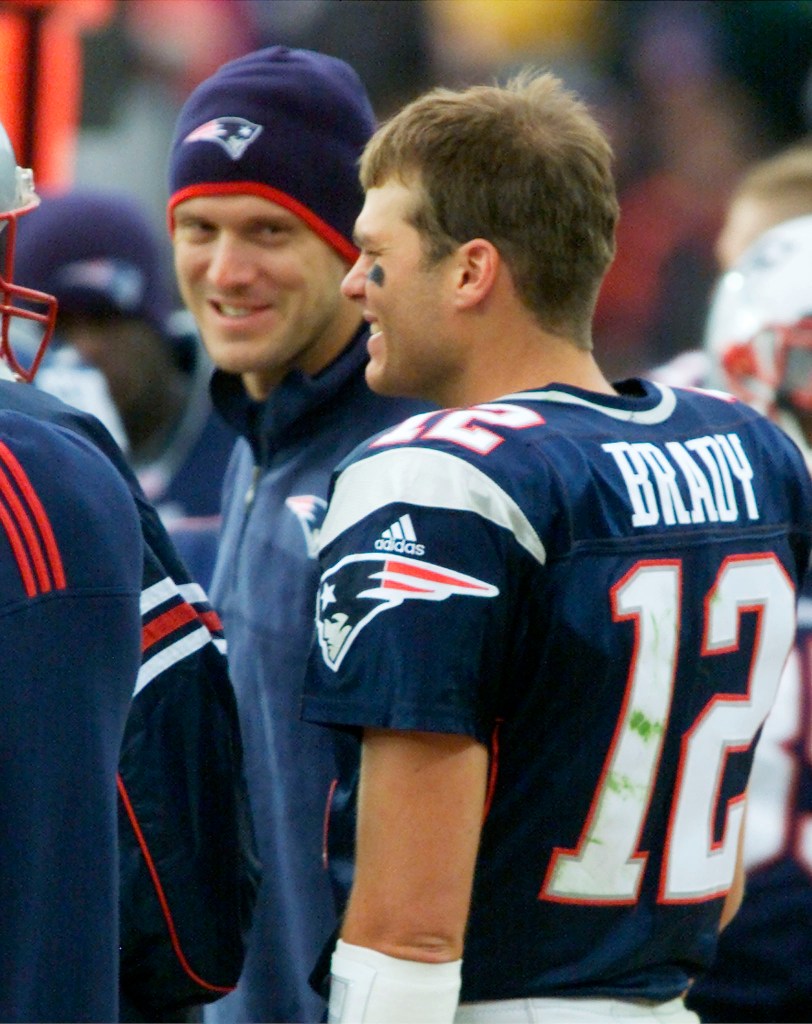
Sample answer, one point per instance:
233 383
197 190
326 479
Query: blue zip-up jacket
264 587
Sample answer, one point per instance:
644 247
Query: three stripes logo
400 538
28 529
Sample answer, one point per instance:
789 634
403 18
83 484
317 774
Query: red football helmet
17 196
759 333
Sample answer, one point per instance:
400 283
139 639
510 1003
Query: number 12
607 865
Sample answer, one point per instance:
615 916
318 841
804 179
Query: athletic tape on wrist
368 987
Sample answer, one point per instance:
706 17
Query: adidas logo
400 538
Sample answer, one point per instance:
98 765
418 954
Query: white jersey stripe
193 593
429 478
659 414
166 588
157 594
171 655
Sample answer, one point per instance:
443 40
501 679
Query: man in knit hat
263 196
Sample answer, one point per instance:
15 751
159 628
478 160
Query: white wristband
368 987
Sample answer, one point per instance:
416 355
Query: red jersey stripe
212 621
165 624
159 892
51 554
20 554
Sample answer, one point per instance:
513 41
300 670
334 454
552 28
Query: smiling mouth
225 309
234 312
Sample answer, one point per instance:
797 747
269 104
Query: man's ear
475 272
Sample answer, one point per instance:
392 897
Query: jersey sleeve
189 871
419 545
70 560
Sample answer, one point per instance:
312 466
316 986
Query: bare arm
736 895
420 808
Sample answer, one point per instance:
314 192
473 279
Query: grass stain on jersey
645 728
623 785
658 633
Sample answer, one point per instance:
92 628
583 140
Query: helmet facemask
17 303
759 330
773 368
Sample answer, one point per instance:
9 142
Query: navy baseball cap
98 253
285 124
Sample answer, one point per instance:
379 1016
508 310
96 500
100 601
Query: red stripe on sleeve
212 621
165 624
17 546
161 895
43 524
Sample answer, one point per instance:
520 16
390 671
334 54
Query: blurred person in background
758 346
772 190
263 196
97 253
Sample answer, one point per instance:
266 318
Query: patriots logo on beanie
234 134
298 123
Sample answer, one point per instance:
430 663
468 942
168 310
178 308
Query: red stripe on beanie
333 238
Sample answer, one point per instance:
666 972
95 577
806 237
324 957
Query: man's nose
231 264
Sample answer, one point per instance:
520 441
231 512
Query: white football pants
586 1011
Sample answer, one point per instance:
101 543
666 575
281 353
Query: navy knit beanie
287 125
98 253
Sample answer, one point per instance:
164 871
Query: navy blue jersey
603 590
188 870
70 632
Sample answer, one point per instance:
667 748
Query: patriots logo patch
310 511
118 280
234 134
360 587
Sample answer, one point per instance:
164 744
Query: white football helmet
17 196
759 330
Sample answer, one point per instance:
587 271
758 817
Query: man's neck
528 364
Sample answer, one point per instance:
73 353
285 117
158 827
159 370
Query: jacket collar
285 413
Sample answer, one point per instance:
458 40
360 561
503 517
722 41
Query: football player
770 192
759 344
756 338
188 872
559 688
70 631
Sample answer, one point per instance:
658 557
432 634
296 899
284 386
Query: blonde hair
785 177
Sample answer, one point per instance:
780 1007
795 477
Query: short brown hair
523 165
